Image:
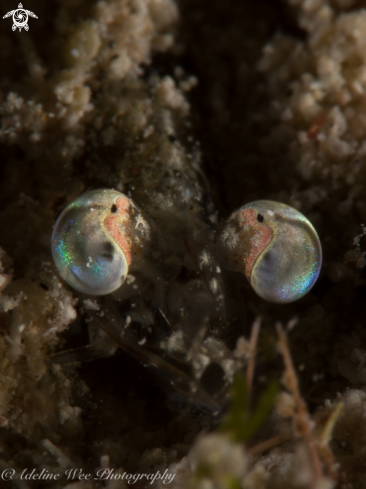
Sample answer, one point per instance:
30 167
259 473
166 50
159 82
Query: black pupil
108 251
114 208
260 218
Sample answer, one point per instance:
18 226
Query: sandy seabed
253 100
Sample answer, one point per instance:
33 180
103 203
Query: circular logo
20 19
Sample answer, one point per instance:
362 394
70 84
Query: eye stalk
274 246
96 240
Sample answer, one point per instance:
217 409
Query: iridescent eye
276 248
95 240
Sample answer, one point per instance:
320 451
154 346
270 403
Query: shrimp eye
274 246
95 240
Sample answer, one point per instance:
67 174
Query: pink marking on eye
256 237
114 225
